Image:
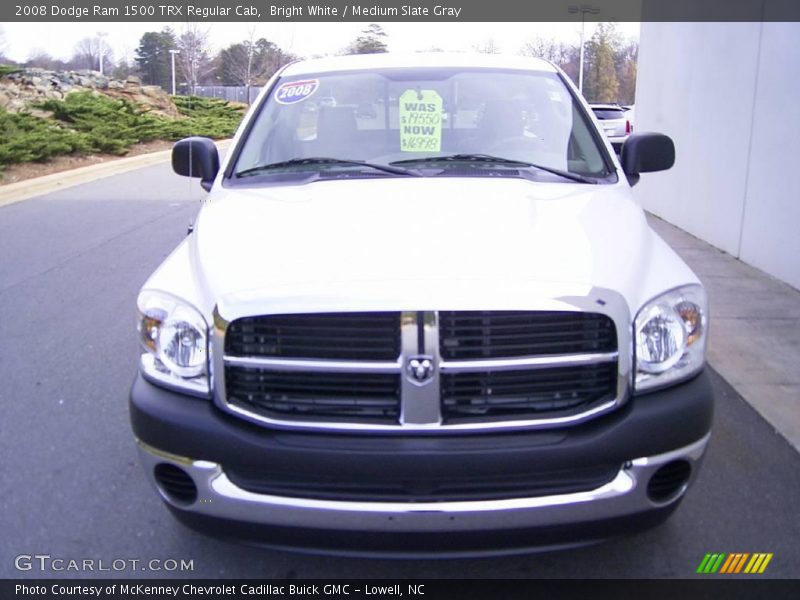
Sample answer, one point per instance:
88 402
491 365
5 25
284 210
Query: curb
38 186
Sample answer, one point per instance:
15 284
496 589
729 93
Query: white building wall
729 96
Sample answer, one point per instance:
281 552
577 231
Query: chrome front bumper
625 495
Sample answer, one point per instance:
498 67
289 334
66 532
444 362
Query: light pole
584 9
101 48
193 82
173 53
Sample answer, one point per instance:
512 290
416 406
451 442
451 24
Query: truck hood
420 244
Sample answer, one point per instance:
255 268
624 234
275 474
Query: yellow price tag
420 121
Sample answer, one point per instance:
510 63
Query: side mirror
645 153
196 157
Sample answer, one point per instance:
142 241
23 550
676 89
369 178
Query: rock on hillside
18 90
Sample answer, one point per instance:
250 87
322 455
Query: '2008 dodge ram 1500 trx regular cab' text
424 315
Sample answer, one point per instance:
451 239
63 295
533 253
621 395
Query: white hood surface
424 243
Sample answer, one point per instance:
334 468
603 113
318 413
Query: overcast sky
303 39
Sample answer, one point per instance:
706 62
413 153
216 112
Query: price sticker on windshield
420 121
295 91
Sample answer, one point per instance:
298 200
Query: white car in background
630 114
615 122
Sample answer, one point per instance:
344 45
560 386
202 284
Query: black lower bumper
670 425
647 425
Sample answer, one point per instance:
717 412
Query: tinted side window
605 114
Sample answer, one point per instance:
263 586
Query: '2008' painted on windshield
295 91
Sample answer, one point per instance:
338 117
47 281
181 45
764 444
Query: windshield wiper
489 159
321 160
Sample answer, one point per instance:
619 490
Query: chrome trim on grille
405 428
419 401
420 408
313 425
532 362
319 366
216 344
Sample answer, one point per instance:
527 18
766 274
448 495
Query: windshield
411 117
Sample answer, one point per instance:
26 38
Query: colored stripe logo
737 562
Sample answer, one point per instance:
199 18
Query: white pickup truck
427 317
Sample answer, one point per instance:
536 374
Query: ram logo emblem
420 368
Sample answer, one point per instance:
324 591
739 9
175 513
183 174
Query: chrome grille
490 370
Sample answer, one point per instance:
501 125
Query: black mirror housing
196 157
646 153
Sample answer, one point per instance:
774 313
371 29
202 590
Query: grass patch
25 138
199 106
85 123
217 119
8 70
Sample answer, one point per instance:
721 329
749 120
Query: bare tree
124 66
240 61
487 47
250 62
565 56
42 59
126 55
3 43
93 53
195 62
557 53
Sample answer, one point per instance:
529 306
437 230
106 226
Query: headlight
670 335
175 336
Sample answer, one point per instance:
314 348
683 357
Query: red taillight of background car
628 128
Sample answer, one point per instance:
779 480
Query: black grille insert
528 393
445 487
364 397
502 334
344 336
